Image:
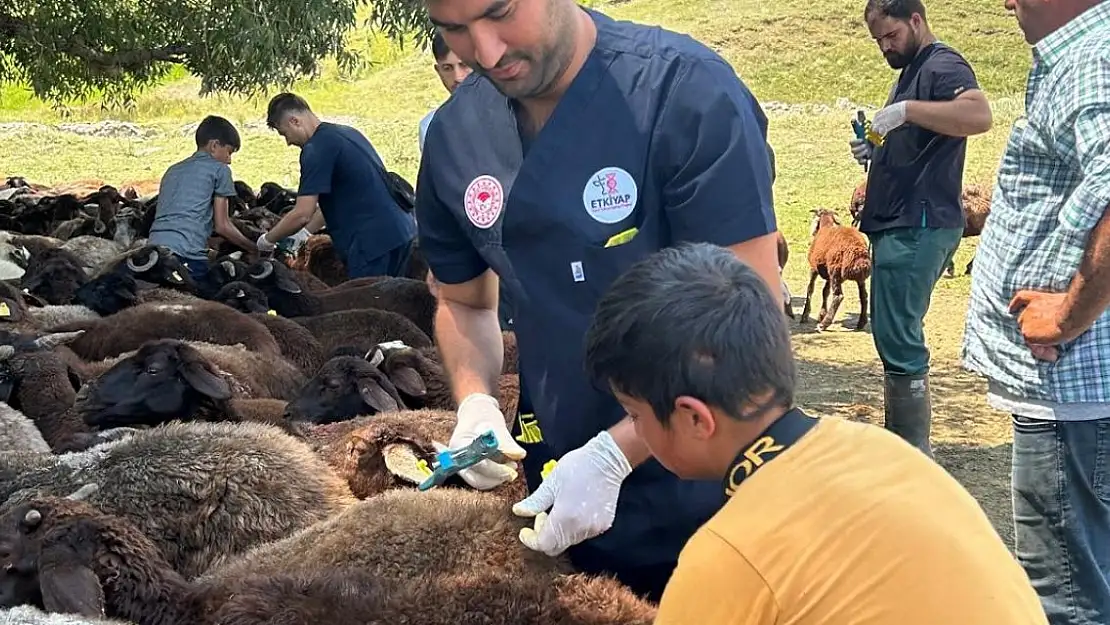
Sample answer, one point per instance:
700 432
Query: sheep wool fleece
655 142
815 535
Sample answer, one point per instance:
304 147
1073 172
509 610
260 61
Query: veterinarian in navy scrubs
578 146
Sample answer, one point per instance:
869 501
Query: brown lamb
838 254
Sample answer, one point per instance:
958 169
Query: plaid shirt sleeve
1091 140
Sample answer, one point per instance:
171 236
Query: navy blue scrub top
916 177
657 133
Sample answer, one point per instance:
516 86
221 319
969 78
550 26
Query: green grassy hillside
809 61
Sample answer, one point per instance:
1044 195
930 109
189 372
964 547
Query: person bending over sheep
192 198
825 520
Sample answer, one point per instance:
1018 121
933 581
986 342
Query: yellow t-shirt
850 525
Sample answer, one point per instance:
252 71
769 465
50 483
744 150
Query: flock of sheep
244 451
840 254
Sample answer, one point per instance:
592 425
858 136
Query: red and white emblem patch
484 200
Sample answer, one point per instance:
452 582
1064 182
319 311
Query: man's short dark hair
692 320
218 128
895 9
283 104
439 47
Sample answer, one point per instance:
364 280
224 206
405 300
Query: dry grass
801 52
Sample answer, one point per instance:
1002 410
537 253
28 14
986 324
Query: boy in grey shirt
192 199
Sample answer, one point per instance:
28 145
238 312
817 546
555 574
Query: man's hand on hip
1043 322
477 414
582 494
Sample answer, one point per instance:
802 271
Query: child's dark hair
218 128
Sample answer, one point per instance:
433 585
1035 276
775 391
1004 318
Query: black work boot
907 409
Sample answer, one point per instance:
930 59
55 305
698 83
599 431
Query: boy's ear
694 417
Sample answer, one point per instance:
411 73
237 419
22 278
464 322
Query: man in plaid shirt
1037 322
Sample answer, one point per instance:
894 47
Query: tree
71 49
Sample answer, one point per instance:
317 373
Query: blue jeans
1061 493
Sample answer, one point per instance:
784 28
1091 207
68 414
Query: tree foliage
71 49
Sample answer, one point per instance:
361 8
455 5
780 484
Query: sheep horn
145 266
6 352
83 493
267 269
239 293
54 339
33 517
375 357
229 267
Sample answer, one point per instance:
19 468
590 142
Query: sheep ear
287 284
206 382
403 462
375 396
408 381
69 586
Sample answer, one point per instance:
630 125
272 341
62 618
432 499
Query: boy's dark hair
218 128
692 320
282 104
439 47
895 9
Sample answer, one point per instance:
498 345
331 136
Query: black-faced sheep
838 254
84 561
169 379
243 297
363 329
409 298
344 387
202 492
154 264
55 277
204 321
108 294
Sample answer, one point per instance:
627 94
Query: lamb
976 201
837 253
201 320
363 329
168 379
18 433
410 298
88 562
201 492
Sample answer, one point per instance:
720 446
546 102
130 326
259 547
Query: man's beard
898 60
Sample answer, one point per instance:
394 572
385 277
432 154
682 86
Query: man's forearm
1089 293
634 448
471 347
236 238
954 118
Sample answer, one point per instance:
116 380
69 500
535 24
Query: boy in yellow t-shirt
824 521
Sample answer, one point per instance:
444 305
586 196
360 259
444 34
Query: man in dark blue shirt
912 212
342 173
578 146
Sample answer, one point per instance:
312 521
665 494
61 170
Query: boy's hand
264 246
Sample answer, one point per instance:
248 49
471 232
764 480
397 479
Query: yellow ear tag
422 466
271 312
548 467
4 310
176 276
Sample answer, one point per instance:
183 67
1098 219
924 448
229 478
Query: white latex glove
478 413
263 244
582 494
861 150
299 239
889 118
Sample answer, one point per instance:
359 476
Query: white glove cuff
476 405
611 453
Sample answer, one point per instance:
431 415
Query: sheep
201 320
243 297
363 329
170 379
152 263
93 252
18 433
50 316
343 388
318 257
14 313
55 277
30 615
784 255
36 378
436 571
201 492
110 293
297 344
410 298
837 253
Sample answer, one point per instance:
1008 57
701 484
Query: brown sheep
297 344
319 258
201 492
363 328
418 561
195 321
37 380
838 254
784 255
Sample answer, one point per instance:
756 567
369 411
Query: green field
810 62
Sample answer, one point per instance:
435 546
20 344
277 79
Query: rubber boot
907 409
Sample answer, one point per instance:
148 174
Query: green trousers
905 266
